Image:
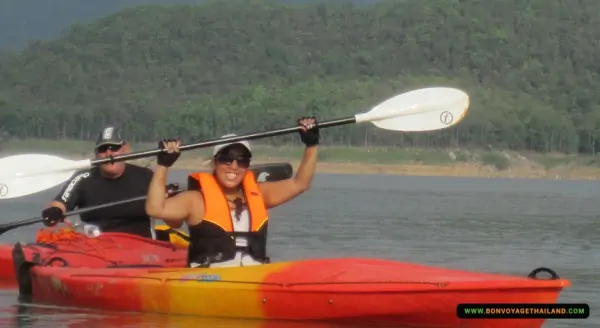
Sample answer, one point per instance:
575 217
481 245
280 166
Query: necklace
239 207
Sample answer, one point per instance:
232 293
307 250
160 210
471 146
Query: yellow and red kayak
344 290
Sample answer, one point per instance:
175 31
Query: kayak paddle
262 172
426 109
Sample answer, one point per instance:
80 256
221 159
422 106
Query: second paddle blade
272 171
22 175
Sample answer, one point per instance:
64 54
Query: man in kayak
104 184
227 211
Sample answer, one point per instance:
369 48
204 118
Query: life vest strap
241 234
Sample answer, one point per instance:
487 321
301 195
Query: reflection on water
30 315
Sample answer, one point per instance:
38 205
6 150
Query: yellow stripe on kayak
195 291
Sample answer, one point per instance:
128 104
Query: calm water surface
494 225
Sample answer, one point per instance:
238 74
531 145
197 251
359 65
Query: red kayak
348 290
69 249
120 249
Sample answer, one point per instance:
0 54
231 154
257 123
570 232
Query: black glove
52 215
172 188
310 137
164 158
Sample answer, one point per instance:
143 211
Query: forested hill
530 66
25 20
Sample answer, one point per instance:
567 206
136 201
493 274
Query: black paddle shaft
14 225
251 136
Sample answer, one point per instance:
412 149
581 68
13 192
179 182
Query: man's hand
52 216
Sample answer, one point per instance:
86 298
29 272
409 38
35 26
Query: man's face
112 169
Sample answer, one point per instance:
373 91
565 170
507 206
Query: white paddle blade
26 174
425 109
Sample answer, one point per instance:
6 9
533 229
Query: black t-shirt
89 188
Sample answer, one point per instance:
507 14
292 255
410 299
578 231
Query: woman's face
231 165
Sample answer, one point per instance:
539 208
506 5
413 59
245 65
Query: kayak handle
533 274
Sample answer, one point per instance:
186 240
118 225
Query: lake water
493 225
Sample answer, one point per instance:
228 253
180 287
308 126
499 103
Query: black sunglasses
227 159
105 148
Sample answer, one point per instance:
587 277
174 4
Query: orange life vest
216 208
213 239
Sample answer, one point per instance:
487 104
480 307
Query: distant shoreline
366 160
472 170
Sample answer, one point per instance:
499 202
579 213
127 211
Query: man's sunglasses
105 148
226 159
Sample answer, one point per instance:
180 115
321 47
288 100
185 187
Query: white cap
244 143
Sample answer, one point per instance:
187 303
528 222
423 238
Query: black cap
110 135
